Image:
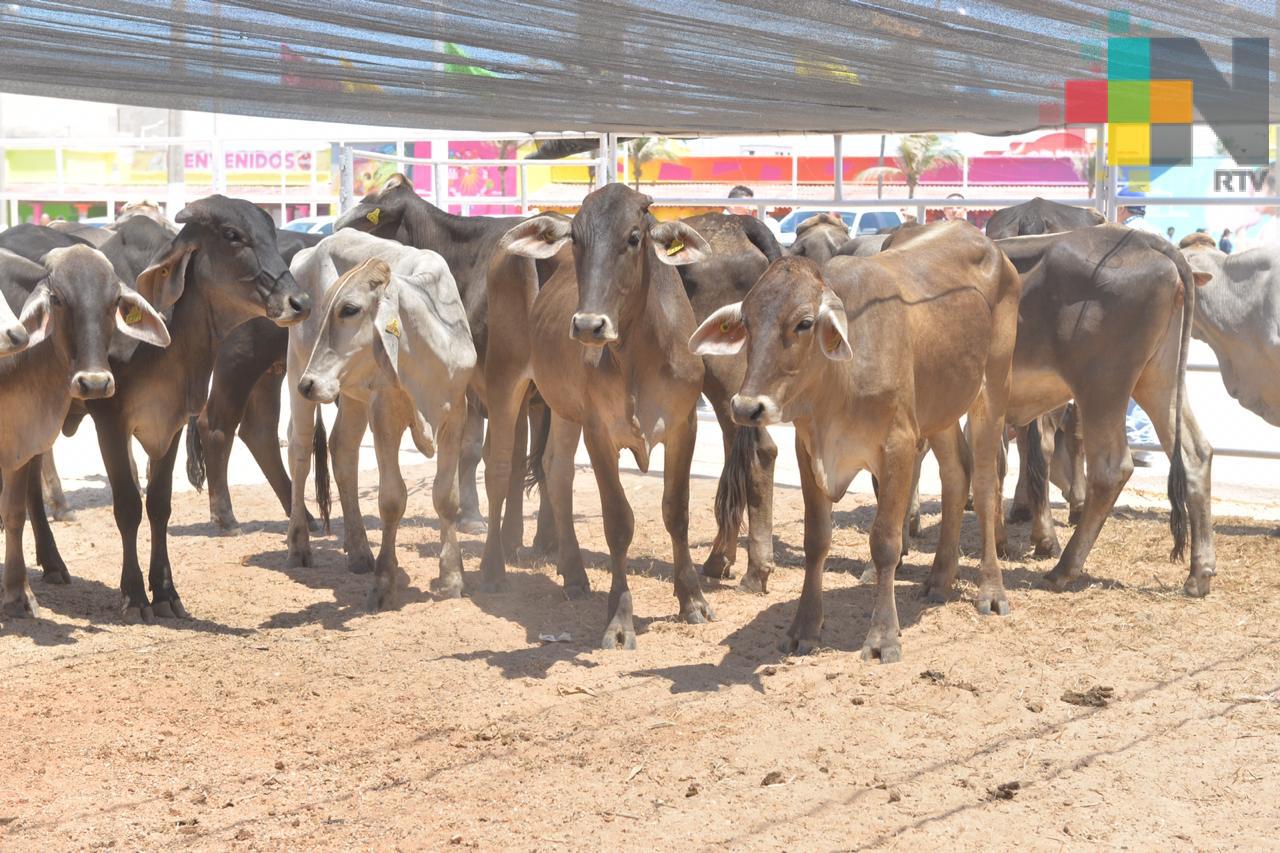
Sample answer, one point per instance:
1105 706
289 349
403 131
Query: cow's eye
231 235
349 310
804 325
634 239
55 299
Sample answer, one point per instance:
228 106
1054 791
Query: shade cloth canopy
694 66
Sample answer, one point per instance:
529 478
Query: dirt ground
283 716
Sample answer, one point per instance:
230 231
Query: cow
466 243
70 305
244 395
740 248
393 342
222 269
605 341
1040 216
1106 315
870 357
864 246
819 237
1236 315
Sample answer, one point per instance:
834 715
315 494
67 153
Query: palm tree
649 149
917 154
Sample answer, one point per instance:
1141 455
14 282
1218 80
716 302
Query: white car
859 221
311 225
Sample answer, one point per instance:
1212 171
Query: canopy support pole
838 164
346 179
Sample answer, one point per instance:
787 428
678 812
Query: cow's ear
37 316
394 182
136 318
723 333
390 329
833 328
162 283
538 236
1202 278
678 244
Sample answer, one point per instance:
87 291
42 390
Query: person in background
741 191
1169 233
1225 243
954 213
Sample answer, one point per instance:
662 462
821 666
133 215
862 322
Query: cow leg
472 522
165 603
1043 536
948 447
18 601
562 445
388 429
513 516
1068 462
506 399
126 502
544 538
302 424
1109 468
344 452
911 524
54 497
760 515
1021 510
678 450
445 495
724 549
47 555
619 526
1197 456
806 627
886 547
260 432
228 395
987 417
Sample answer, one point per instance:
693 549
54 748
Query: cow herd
607 328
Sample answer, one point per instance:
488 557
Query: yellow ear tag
134 316
393 327
675 248
373 215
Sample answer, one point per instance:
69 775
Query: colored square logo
1170 102
1128 101
1128 144
1086 101
1128 59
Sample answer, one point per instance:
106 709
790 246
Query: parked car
311 225
859 222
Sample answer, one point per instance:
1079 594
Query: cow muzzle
288 305
93 385
14 340
317 389
754 411
592 329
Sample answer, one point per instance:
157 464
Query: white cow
1238 315
392 341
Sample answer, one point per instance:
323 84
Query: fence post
346 179
838 164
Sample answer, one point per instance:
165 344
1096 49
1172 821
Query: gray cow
393 342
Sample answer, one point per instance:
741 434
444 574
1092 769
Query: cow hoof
1059 580
993 603
63 514
697 612
494 586
472 525
1002 549
868 574
1197 586
936 591
57 575
545 547
1048 548
299 560
884 652
360 562
23 607
577 591
134 614
717 567
755 582
1073 517
914 528
169 609
1019 515
618 638
448 586
381 597
799 645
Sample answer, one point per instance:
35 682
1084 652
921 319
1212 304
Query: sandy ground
283 716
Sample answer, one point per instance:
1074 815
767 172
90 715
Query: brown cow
622 377
870 357
820 237
1106 315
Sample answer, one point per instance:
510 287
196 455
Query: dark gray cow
1039 216
819 237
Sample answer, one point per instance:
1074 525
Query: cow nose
18 337
301 304
305 386
751 411
592 328
93 384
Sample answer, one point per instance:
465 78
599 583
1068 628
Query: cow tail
1037 467
1178 514
321 448
196 470
731 493
535 473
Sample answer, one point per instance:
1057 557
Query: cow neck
634 309
1223 305
457 239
